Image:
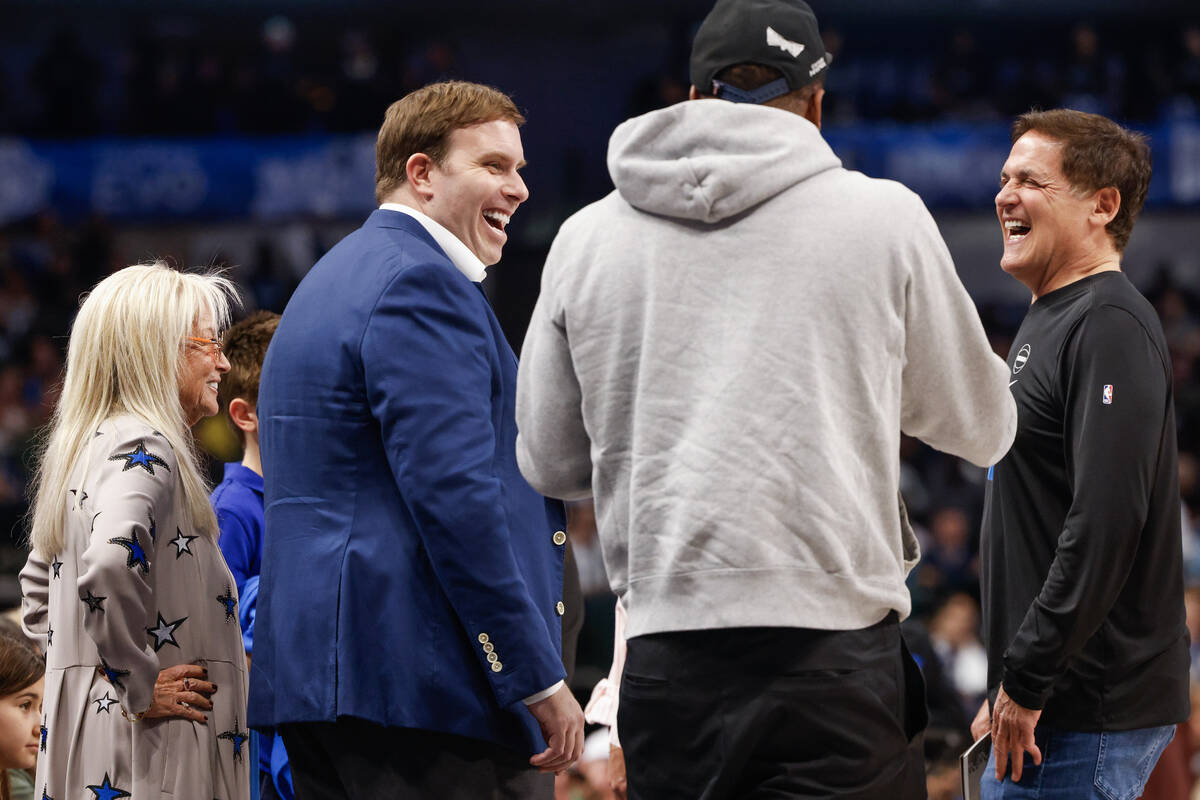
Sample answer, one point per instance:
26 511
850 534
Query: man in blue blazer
409 611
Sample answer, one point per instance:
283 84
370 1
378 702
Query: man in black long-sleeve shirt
1082 565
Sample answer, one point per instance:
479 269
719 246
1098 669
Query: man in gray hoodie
724 353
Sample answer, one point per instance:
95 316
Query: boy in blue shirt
238 498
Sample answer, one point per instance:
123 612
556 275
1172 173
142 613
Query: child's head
22 671
245 345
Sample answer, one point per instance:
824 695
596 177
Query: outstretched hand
181 691
561 720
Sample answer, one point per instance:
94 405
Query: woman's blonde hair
128 336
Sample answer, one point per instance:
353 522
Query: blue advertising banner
275 178
264 178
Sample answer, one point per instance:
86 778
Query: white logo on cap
786 45
817 66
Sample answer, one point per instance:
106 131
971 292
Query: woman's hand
181 691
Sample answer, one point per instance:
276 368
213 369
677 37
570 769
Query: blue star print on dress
137 556
140 457
106 791
120 615
56 565
42 747
237 737
113 675
230 603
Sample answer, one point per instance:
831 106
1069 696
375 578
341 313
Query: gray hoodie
724 353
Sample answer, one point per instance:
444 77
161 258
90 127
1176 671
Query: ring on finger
184 703
187 684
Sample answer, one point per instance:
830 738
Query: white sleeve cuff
601 709
542 695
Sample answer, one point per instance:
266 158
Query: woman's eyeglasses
213 345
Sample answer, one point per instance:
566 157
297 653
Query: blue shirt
238 501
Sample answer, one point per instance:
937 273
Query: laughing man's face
1042 217
477 187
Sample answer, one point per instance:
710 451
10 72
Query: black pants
352 759
773 713
266 787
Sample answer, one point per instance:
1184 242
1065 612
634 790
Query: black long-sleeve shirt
1082 568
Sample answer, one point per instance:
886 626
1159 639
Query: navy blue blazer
410 575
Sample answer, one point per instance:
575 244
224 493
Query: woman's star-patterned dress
135 590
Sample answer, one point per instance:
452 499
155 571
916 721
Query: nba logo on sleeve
1106 396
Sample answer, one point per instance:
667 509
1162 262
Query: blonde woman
126 589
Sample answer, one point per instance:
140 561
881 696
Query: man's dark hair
245 345
751 76
1097 153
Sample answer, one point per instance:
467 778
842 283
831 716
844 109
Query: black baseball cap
775 33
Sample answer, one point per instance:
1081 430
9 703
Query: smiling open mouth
1016 230
497 219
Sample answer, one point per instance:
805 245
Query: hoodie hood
711 159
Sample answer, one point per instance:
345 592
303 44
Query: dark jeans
773 713
1079 765
353 759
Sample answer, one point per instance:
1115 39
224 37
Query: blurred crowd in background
187 76
281 75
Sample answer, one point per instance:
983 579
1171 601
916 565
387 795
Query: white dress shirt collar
466 261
